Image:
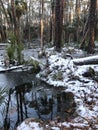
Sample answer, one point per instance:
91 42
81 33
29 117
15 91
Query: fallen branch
86 60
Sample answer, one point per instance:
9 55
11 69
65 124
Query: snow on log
4 69
86 60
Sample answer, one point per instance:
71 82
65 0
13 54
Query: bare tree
16 29
89 28
42 23
58 23
52 21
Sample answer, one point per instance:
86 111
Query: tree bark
52 21
77 10
58 24
42 24
89 28
92 20
16 28
1 3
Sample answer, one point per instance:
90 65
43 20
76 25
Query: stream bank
85 90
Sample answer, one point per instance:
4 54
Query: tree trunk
29 35
77 10
16 28
5 13
52 31
42 24
58 24
92 20
2 31
89 28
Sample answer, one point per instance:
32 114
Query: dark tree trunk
92 22
77 11
42 24
16 27
58 24
2 32
89 29
52 20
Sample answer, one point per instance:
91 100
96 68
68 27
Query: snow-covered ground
61 71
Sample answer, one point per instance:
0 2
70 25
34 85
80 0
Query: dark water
13 79
29 97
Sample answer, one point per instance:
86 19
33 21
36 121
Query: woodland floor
84 88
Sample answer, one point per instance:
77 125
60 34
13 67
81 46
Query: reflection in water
37 100
7 118
44 103
13 79
21 105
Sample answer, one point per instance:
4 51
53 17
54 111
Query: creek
30 97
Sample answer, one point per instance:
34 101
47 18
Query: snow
95 57
62 72
3 68
55 128
29 126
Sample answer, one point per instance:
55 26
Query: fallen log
86 60
8 69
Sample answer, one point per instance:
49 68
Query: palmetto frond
3 94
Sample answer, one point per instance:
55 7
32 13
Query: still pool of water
30 97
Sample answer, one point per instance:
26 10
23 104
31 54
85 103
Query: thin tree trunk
16 28
77 10
29 23
52 20
42 24
58 24
61 13
1 3
2 31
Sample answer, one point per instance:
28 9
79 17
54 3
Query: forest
48 64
